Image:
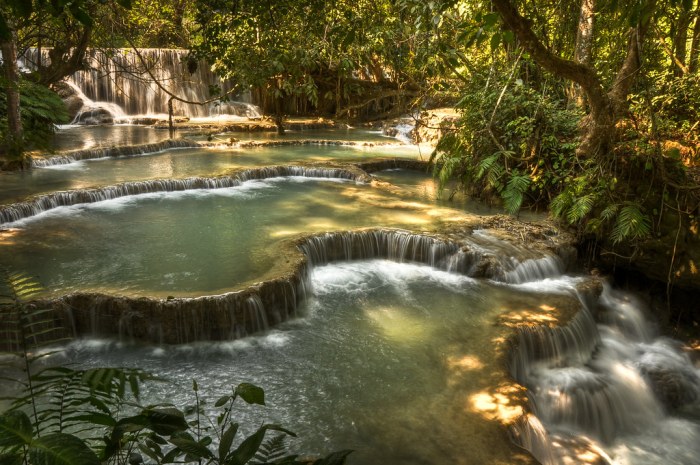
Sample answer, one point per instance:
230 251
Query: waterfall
120 83
605 388
18 211
117 151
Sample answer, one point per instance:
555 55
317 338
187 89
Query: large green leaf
227 441
15 429
192 447
61 449
251 393
165 421
247 449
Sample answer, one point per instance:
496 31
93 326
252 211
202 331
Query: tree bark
606 107
61 64
695 43
680 41
13 144
583 49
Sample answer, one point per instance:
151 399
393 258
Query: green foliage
512 140
41 110
631 223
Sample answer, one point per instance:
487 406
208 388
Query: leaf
191 447
251 394
222 401
165 421
15 429
247 449
580 208
513 193
336 458
94 418
227 441
631 224
61 449
271 450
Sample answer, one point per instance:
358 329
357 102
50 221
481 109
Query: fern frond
513 193
609 212
580 208
271 450
486 164
631 224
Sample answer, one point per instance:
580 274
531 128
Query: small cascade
535 269
118 151
601 387
91 112
40 204
390 244
120 85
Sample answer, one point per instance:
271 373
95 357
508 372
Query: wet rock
674 388
670 375
94 116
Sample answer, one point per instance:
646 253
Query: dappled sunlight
396 325
504 403
8 236
542 315
462 363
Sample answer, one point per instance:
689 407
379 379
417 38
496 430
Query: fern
515 190
561 203
581 207
271 450
631 224
609 212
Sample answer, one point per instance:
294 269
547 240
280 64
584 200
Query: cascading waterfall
40 204
601 392
120 84
240 313
118 151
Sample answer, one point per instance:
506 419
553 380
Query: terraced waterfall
377 315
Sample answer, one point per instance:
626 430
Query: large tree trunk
680 41
695 43
65 60
606 107
13 144
583 51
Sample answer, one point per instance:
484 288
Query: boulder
94 116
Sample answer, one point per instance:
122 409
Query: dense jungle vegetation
588 109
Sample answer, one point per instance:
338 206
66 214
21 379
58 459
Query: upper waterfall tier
141 83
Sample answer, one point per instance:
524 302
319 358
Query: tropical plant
66 416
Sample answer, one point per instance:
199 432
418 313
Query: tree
341 57
25 23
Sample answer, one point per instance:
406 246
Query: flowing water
388 359
399 361
185 162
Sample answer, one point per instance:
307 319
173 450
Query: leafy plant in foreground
64 416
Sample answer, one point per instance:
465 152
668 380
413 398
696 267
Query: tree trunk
13 144
605 107
61 64
583 51
680 41
695 43
279 116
